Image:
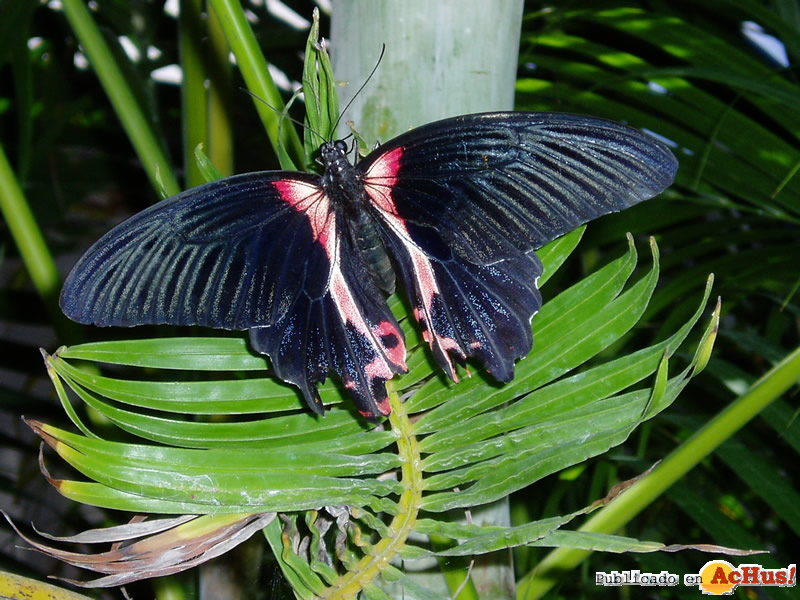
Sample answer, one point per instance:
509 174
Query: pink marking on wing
379 182
426 285
426 282
349 312
385 328
387 166
385 406
381 177
297 193
396 353
308 198
377 368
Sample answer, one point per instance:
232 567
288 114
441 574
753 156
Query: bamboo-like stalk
28 237
220 97
255 72
193 91
441 59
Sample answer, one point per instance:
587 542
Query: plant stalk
129 112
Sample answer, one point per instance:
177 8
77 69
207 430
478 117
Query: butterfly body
453 209
342 184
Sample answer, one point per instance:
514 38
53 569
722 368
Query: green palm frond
448 447
690 73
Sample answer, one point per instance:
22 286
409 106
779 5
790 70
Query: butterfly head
330 152
339 172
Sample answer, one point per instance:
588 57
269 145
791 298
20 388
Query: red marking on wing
386 356
385 406
379 182
310 199
426 282
381 178
397 352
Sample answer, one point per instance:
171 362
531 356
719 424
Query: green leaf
319 89
219 481
197 354
206 167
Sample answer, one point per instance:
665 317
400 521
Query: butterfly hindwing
466 309
344 325
465 201
261 251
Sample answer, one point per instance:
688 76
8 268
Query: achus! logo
719 577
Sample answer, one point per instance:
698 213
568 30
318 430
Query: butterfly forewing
495 182
222 255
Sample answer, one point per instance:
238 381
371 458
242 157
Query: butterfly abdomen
368 240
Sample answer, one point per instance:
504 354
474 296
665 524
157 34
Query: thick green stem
255 72
25 230
30 242
220 98
193 93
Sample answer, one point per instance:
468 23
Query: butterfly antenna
363 85
283 113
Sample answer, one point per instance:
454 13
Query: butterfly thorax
342 182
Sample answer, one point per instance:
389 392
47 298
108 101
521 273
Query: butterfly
455 208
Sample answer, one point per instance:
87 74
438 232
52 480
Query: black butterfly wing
465 201
260 251
222 255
